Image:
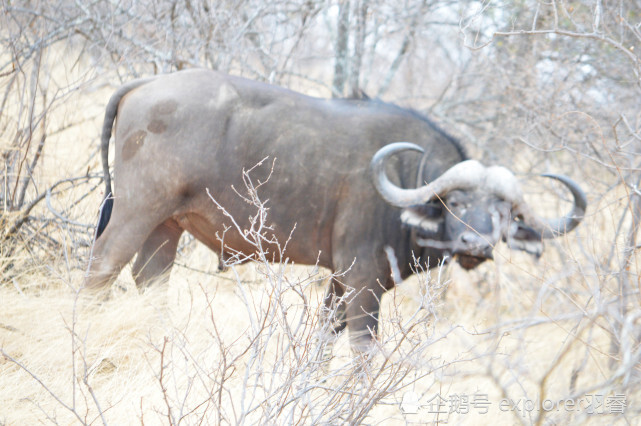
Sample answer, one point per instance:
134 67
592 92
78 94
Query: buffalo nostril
474 245
473 240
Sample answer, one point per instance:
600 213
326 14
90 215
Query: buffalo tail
110 116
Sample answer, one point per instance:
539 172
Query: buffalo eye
456 200
456 204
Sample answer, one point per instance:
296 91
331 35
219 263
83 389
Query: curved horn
552 228
466 174
391 193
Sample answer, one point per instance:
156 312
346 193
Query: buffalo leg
112 251
332 319
334 312
369 278
124 235
156 257
362 317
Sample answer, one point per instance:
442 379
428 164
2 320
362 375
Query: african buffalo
339 180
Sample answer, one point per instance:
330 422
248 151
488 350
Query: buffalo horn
551 228
471 173
462 175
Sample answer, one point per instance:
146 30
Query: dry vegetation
538 86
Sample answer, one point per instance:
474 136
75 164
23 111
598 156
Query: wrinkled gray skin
181 134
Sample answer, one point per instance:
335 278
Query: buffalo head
469 208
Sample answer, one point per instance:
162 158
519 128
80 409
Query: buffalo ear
522 237
427 219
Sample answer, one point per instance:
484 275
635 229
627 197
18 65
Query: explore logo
413 403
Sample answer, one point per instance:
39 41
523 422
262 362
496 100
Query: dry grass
185 352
